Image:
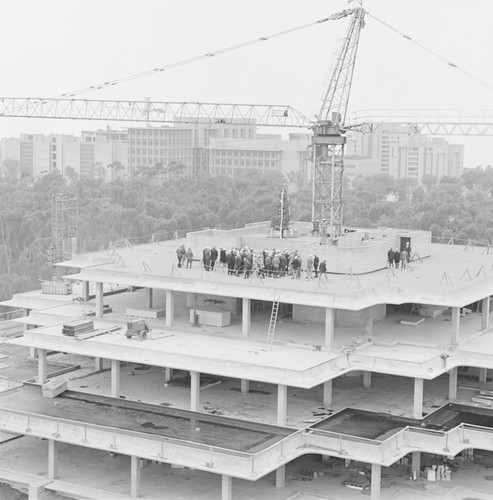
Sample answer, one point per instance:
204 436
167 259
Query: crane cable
142 74
432 52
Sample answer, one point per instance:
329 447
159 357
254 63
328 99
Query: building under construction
258 374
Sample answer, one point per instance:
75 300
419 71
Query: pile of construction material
56 288
484 398
78 327
438 473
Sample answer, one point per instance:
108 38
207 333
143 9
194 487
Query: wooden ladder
272 323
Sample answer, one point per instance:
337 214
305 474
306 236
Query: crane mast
328 132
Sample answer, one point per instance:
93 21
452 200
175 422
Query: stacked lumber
78 327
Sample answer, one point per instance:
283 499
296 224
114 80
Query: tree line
460 207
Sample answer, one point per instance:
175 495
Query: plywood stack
78 327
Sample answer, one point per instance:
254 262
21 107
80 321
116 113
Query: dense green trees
108 211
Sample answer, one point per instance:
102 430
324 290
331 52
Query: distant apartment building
40 154
402 152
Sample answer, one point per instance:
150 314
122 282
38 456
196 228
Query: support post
369 324
330 315
115 378
485 313
452 384
246 316
52 459
42 370
418 398
85 290
99 300
245 386
168 374
327 398
416 464
455 325
483 375
194 391
33 352
226 487
170 308
149 296
98 364
282 404
376 476
281 477
366 380
135 473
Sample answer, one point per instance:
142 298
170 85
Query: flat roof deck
161 421
452 276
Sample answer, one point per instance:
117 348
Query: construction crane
328 132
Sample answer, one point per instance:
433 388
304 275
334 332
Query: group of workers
398 258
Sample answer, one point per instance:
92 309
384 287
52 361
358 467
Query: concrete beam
149 297
366 380
194 391
485 313
170 308
376 477
115 378
327 396
135 476
282 404
42 369
52 459
99 299
418 398
246 316
483 375
330 316
455 337
226 487
281 477
452 384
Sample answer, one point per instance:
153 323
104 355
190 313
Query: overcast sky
54 46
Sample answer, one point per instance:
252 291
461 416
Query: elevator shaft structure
328 132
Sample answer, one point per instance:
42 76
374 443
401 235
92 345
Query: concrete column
369 324
416 463
485 313
330 315
226 487
33 352
52 459
115 378
42 370
376 476
170 308
149 295
455 325
99 300
245 386
366 380
281 476
168 374
483 375
135 472
327 393
194 391
452 384
98 364
282 404
418 398
246 317
85 290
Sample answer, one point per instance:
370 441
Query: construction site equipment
137 328
272 323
